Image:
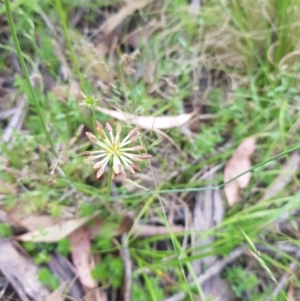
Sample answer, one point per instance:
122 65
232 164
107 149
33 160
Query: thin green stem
94 120
32 94
26 74
195 189
109 181
69 44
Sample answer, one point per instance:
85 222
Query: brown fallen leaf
149 122
237 164
22 222
57 294
286 176
36 222
69 90
99 224
96 295
56 232
290 296
113 25
20 271
150 230
81 255
64 228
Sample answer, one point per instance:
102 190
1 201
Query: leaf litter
81 257
149 122
55 232
208 207
236 165
57 295
20 271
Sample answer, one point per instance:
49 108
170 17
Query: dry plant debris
55 232
81 257
57 294
236 165
20 271
170 65
149 122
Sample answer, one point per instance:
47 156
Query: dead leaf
113 25
149 122
34 222
290 296
96 295
71 90
150 230
98 225
57 294
56 232
20 271
237 164
81 255
21 221
285 177
64 228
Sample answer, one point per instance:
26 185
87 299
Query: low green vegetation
234 62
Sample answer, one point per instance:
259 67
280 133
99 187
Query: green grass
252 46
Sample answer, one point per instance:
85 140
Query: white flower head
114 151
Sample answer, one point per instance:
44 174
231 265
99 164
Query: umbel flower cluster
114 151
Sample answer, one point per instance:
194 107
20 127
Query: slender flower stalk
115 151
109 180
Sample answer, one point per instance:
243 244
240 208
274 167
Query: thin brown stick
127 270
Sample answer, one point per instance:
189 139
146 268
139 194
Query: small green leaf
5 230
46 277
63 246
